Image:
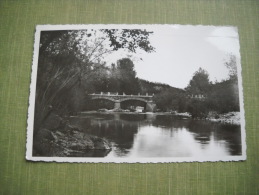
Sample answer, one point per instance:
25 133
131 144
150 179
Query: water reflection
141 135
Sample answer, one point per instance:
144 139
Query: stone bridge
117 99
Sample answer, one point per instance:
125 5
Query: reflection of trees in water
133 117
205 130
170 121
83 122
119 132
122 128
232 134
201 130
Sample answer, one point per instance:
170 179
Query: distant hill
156 88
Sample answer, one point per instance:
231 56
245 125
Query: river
154 135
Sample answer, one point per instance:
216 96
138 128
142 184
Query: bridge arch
133 98
118 99
105 98
106 102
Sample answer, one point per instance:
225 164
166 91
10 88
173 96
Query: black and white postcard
136 93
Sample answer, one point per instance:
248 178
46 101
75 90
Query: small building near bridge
139 109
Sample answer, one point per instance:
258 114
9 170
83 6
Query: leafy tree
199 84
179 102
67 60
163 100
224 96
198 109
130 39
232 67
113 84
99 79
128 83
170 99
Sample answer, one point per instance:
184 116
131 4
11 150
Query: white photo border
30 120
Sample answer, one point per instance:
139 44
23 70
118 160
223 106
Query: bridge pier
117 105
150 107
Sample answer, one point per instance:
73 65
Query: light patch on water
153 141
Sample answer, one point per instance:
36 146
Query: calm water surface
150 135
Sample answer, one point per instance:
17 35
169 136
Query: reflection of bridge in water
117 99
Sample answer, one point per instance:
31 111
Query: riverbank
185 114
231 118
64 140
72 144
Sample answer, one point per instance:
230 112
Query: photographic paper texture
136 93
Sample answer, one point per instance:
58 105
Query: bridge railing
117 94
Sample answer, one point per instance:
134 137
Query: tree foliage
130 39
221 97
68 60
128 83
232 67
170 100
199 84
224 96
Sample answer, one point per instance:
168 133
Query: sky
181 50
